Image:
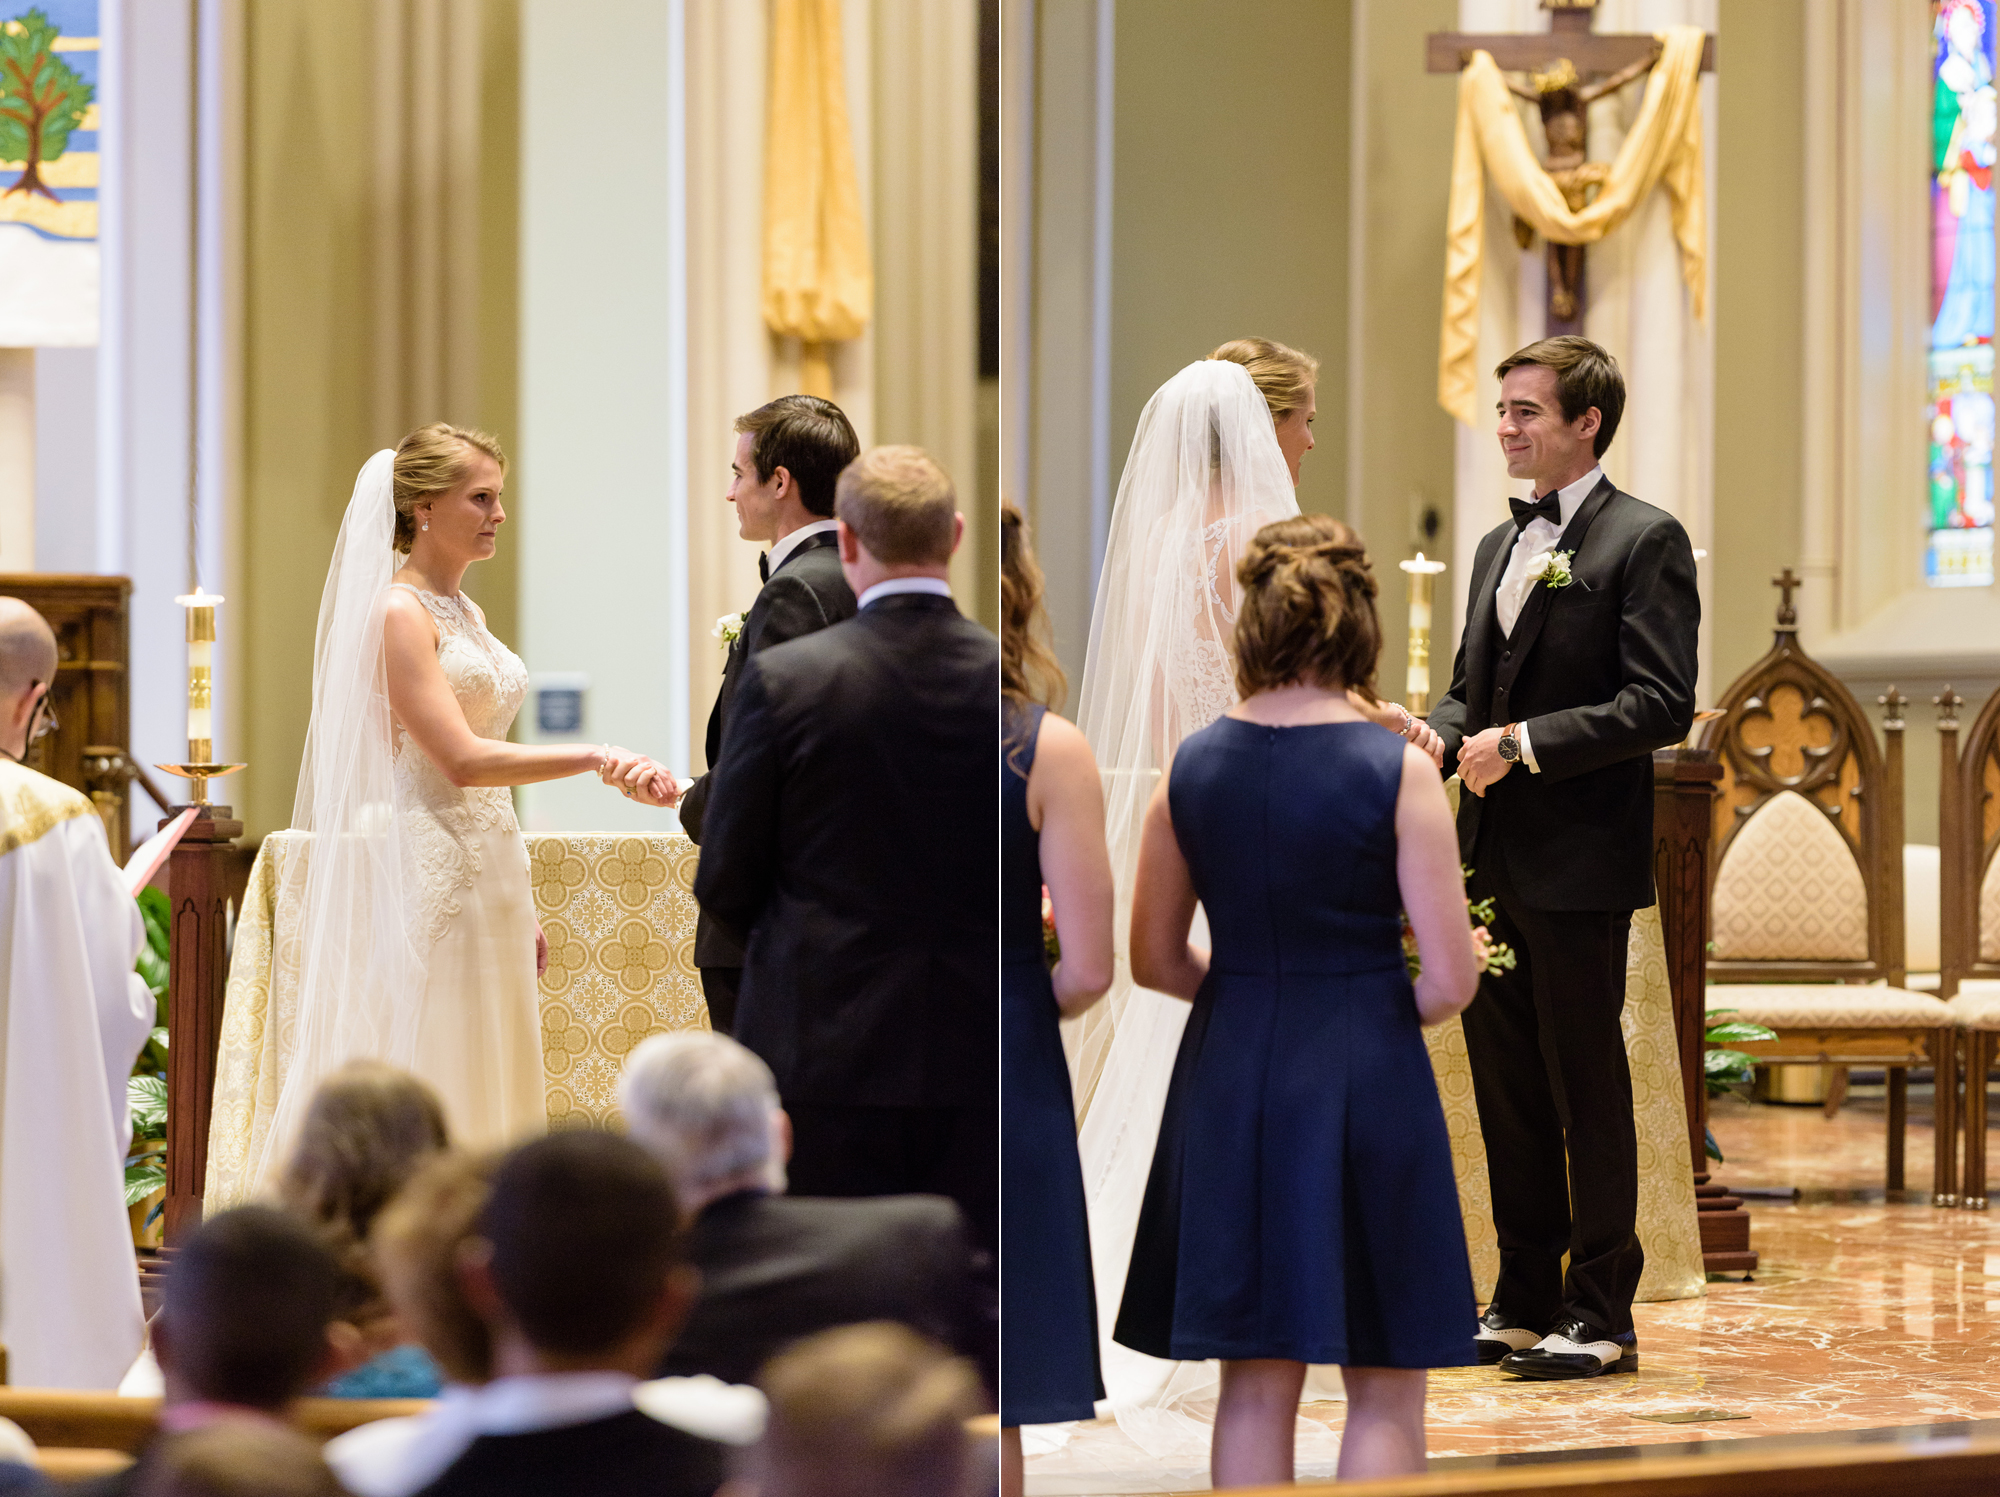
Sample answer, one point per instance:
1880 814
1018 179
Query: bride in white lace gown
1214 459
419 942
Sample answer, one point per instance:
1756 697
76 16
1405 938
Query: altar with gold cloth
619 914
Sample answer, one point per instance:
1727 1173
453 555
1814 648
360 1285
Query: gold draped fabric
1663 147
819 286
619 915
1668 1229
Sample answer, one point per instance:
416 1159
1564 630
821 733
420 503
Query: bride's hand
541 953
652 783
1396 718
615 763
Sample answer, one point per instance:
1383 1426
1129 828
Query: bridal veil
1205 473
361 975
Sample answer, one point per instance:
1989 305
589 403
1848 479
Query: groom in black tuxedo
1578 660
853 836
788 455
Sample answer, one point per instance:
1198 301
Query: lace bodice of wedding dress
490 683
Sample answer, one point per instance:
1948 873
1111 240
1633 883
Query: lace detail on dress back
490 683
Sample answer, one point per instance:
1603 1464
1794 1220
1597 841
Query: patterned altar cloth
1668 1229
619 914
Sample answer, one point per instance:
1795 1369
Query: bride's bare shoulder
404 615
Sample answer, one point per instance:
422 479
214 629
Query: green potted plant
146 1089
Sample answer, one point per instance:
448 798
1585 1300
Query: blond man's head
900 505
871 1410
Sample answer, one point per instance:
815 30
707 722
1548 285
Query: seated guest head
707 1109
1307 614
868 1411
27 675
244 1312
235 1458
789 451
577 1265
416 1244
368 1129
898 517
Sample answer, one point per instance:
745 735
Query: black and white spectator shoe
1575 1349
1499 1335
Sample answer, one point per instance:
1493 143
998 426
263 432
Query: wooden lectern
1684 787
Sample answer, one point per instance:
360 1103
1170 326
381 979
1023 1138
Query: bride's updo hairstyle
1308 609
1283 376
430 461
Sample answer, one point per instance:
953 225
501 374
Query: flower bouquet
1494 956
1051 947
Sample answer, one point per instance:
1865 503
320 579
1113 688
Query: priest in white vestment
73 1016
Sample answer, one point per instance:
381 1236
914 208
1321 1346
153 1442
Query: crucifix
1785 583
1569 68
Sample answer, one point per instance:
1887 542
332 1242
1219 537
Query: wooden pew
82 1435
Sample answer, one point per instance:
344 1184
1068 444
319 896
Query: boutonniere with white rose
728 629
1551 568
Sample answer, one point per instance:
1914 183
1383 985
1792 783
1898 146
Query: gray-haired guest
775 1268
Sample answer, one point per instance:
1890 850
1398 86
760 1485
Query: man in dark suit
1578 660
577 1274
788 454
852 833
775 1268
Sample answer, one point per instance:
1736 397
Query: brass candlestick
201 766
1417 683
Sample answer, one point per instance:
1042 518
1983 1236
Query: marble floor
1865 1314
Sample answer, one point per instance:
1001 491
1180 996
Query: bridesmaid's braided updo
430 461
1308 609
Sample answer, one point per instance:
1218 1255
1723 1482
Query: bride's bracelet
1409 727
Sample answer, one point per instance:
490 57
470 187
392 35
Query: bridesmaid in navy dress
1052 832
1301 1207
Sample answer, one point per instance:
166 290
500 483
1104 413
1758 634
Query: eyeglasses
43 722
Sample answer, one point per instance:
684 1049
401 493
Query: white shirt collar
550 1400
1570 496
935 585
775 557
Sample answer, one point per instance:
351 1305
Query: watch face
1510 749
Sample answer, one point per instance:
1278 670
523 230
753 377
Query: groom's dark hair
809 438
1586 376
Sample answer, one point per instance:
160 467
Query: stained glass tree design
1963 116
42 98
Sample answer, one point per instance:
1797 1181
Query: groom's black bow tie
1548 507
763 566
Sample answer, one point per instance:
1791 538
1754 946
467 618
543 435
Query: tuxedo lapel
1535 611
1482 629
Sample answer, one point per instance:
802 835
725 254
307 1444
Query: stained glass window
1960 498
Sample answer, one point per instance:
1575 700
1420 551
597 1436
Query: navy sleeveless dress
1048 1303
1301 1203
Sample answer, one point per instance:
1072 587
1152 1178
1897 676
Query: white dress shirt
775 557
1531 548
894 585
399 1457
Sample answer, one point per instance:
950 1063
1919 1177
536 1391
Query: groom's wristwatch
1510 746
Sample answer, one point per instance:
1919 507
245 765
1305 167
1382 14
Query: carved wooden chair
1807 892
1969 916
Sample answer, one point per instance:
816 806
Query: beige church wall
1054 348
1396 442
377 292
1759 325
1229 206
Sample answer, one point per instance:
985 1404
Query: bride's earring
427 524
